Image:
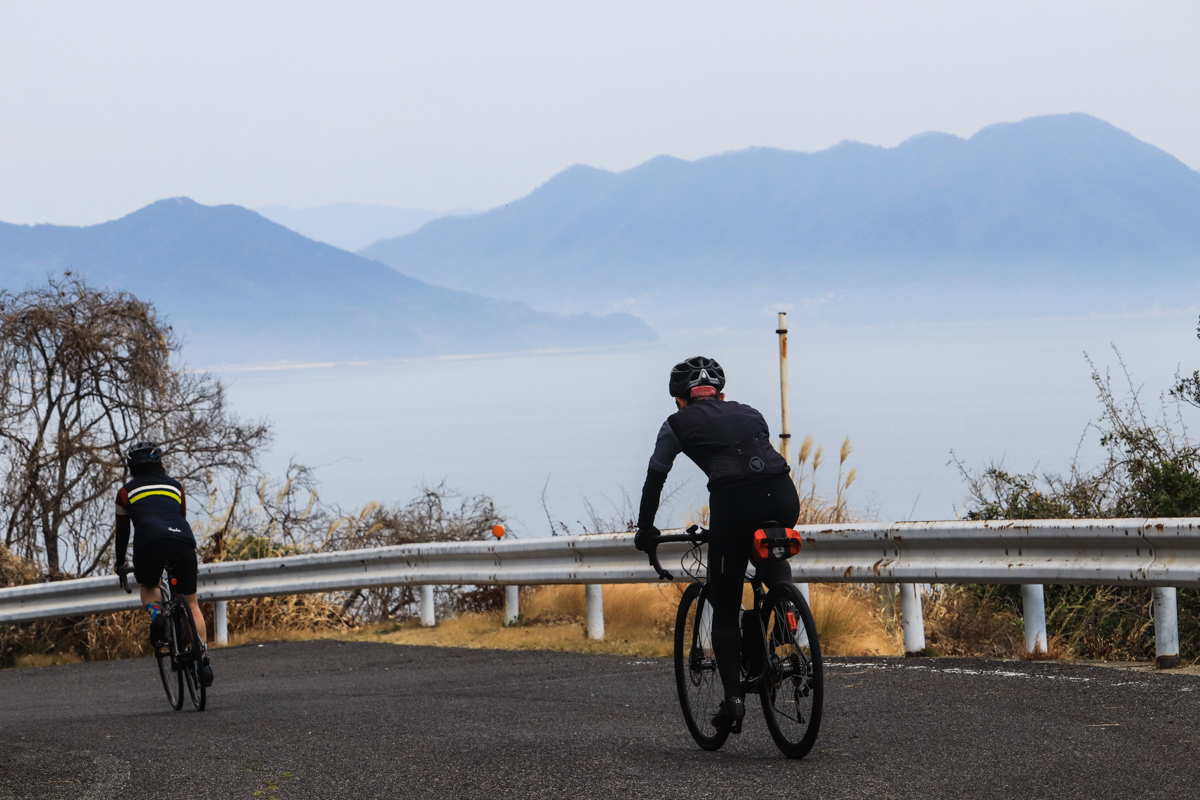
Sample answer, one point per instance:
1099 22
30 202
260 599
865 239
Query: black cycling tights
734 515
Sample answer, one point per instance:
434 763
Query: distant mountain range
353 226
1062 215
1068 202
243 289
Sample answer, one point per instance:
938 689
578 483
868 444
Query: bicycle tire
168 660
696 677
792 688
190 660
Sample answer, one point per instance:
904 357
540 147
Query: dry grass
814 508
272 616
960 623
850 622
15 571
485 630
125 634
45 660
639 620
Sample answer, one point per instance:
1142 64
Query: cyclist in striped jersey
154 503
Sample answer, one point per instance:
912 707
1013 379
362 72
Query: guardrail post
803 587
221 621
595 611
428 615
912 619
1166 628
1033 609
512 604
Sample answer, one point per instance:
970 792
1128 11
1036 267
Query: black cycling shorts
734 514
150 558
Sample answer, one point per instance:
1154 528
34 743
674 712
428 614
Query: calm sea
551 434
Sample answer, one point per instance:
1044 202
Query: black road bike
781 657
180 660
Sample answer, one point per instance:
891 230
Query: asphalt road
329 720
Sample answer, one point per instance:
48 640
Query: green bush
1151 470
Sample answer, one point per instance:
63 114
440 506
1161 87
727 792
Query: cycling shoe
730 715
158 631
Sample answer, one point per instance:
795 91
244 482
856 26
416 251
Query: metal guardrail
1164 552
1155 553
603 558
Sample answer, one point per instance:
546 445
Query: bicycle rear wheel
792 689
168 659
696 676
190 661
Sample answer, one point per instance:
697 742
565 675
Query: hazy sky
105 107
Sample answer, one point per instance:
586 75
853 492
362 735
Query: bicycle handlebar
124 571
695 534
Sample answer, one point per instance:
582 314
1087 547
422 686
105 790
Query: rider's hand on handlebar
644 539
123 571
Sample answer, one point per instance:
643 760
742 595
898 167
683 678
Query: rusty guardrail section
1132 552
1158 553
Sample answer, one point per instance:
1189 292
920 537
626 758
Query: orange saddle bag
775 544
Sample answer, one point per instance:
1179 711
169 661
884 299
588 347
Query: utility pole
785 435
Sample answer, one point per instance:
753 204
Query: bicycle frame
184 645
755 657
780 656
173 609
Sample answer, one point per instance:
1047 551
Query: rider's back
729 441
155 505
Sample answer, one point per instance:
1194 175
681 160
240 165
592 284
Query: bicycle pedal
736 727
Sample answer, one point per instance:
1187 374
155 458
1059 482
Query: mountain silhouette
1067 199
243 289
352 226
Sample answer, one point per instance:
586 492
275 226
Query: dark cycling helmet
694 374
144 453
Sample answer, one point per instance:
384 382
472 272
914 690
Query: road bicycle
180 660
781 655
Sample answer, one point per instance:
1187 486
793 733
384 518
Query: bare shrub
83 374
481 599
287 516
439 514
973 621
15 571
1151 468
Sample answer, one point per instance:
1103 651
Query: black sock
727 647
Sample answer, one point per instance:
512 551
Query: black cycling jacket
156 505
729 441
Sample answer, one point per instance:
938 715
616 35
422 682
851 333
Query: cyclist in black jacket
748 483
155 504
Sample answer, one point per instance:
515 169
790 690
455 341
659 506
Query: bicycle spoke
696 676
792 690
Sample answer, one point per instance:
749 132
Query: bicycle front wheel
168 660
190 661
696 676
792 689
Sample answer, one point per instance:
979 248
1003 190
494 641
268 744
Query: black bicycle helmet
695 373
144 453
